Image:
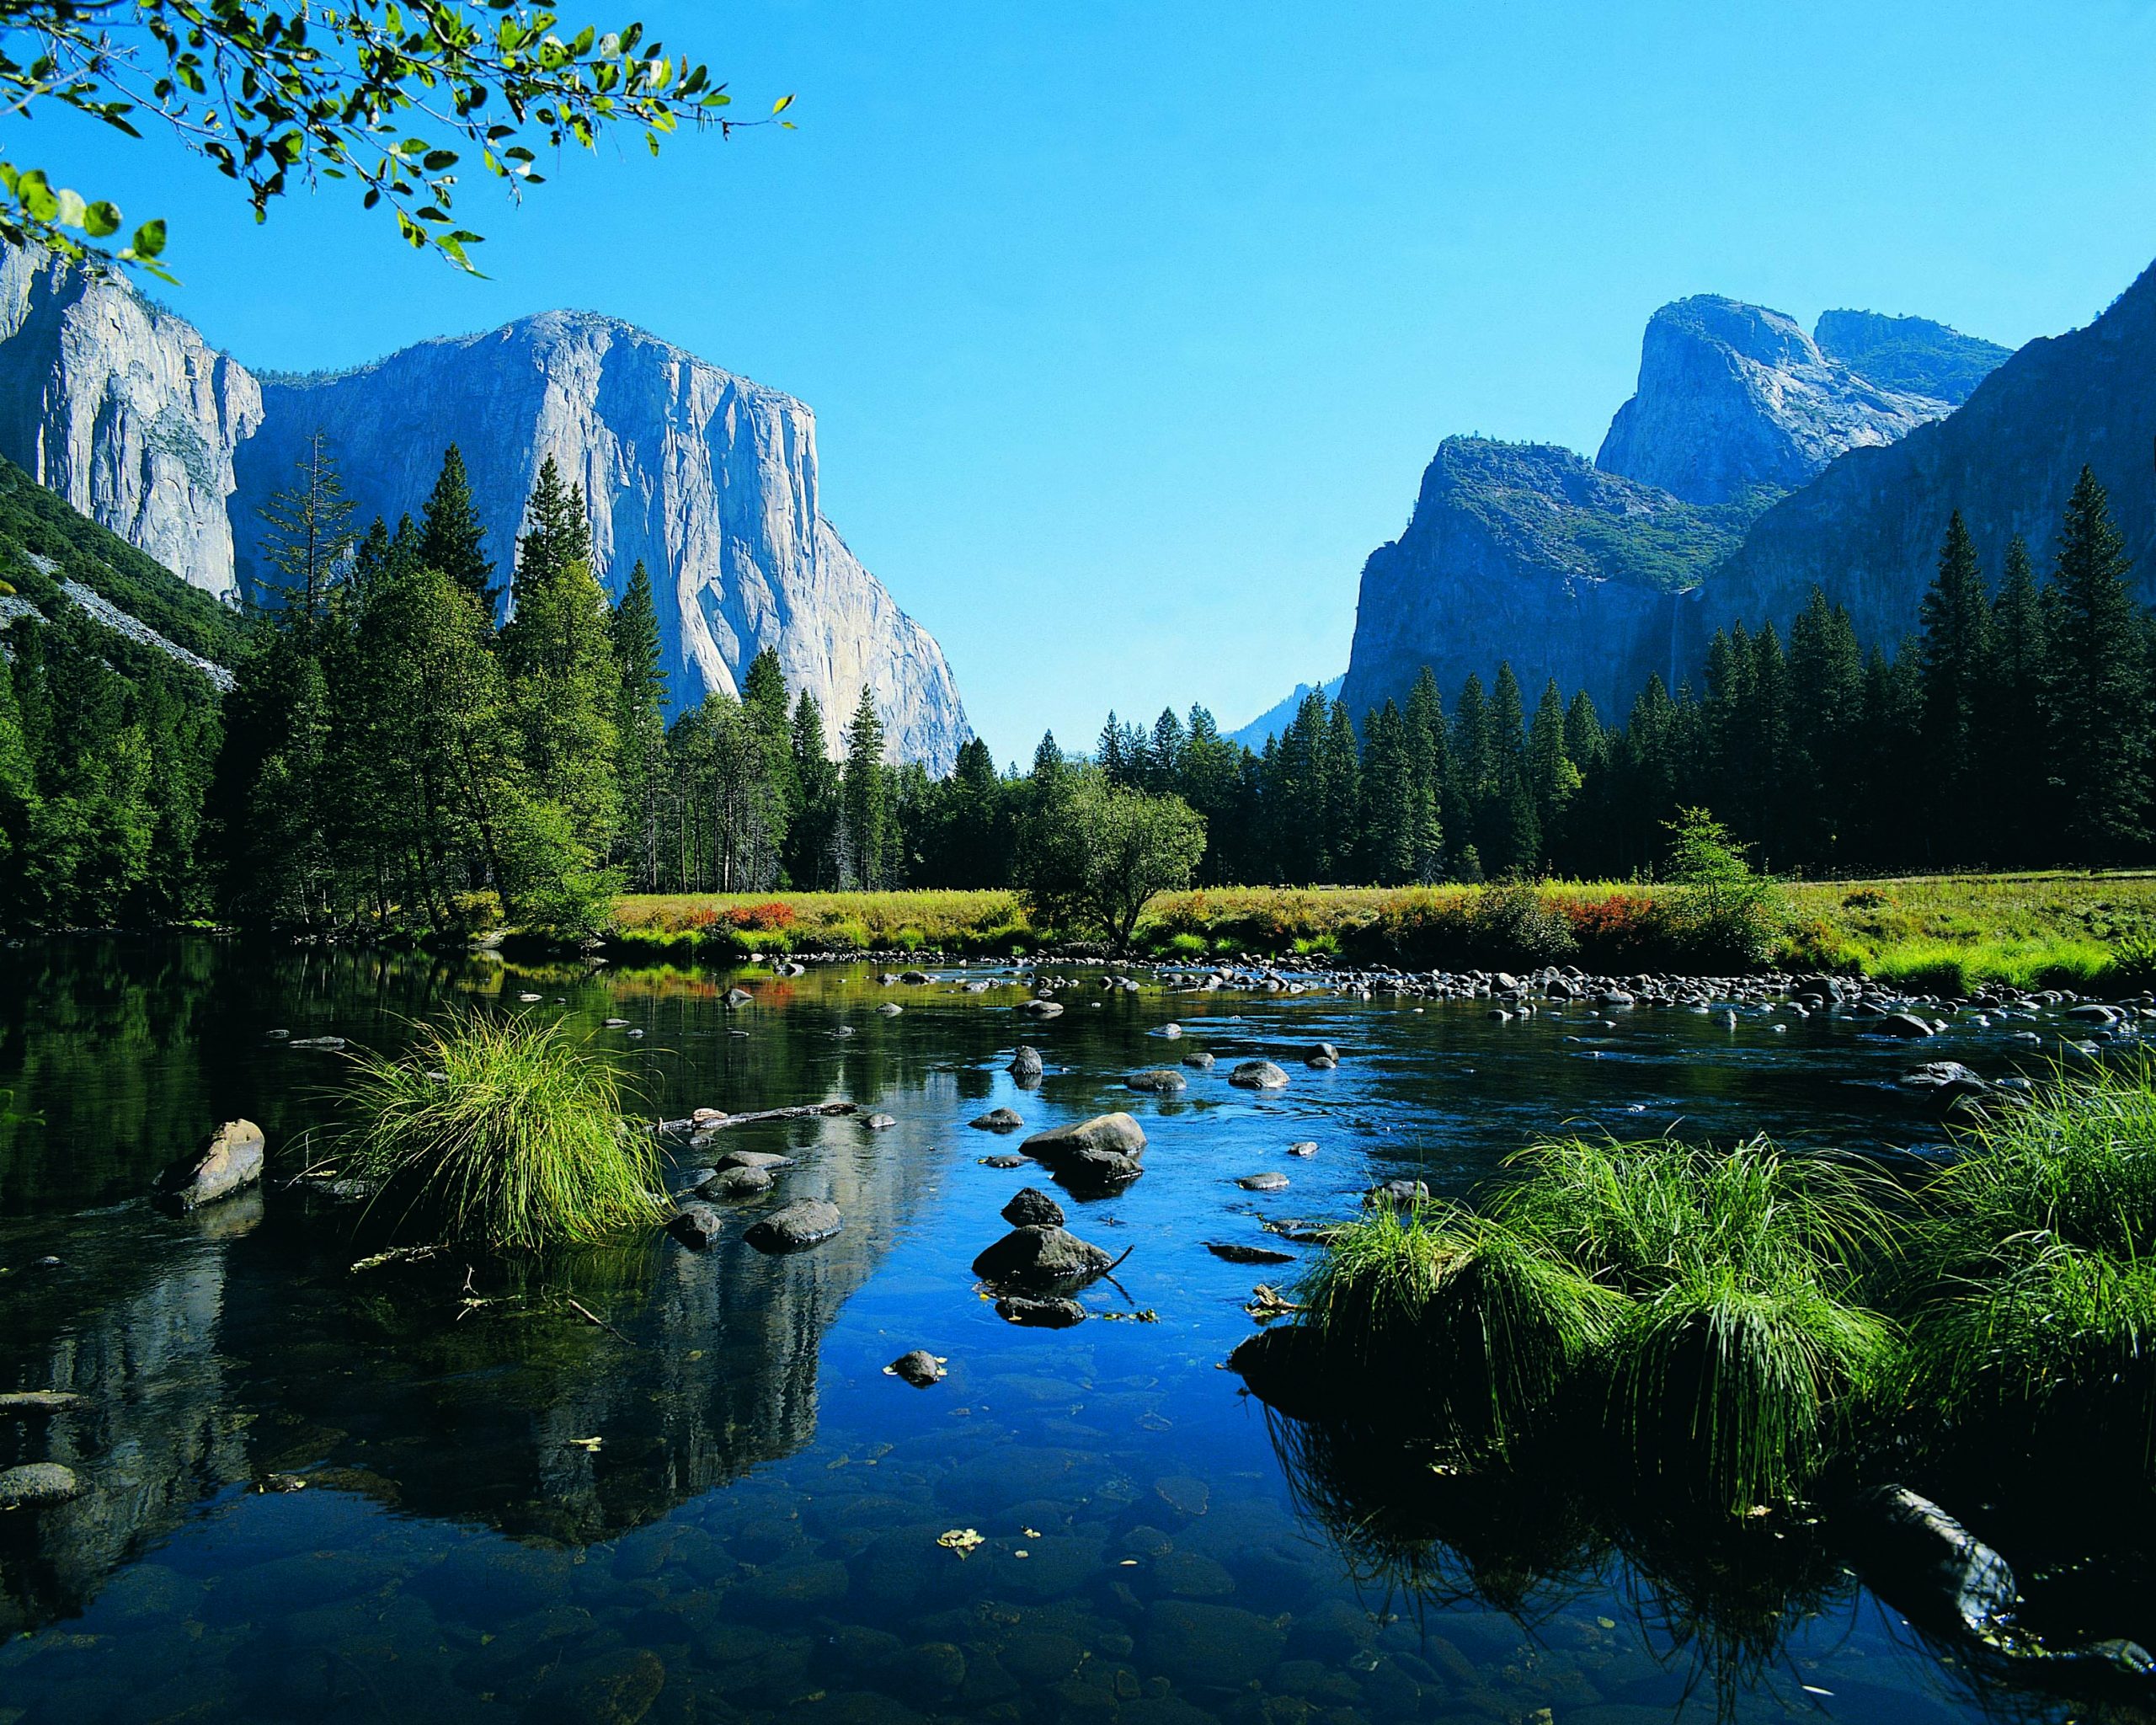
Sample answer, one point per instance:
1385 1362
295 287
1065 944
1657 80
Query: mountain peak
1736 400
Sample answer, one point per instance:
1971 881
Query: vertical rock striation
123 410
708 478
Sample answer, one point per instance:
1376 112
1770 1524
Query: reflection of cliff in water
131 1323
214 1353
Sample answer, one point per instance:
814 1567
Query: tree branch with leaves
399 99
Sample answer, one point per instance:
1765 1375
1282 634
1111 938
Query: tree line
393 757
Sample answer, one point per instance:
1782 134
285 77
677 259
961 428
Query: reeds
1696 1310
2034 1275
499 1131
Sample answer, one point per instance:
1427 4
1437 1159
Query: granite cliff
1599 575
1735 398
126 412
711 478
1525 551
1867 530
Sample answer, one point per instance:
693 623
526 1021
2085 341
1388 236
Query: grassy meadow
1944 933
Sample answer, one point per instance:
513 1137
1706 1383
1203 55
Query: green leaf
149 239
439 160
783 103
101 220
36 197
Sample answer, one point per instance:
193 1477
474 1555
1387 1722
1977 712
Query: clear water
719 1506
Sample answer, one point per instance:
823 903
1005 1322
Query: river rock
1199 1059
997 1120
1003 1161
750 1158
1043 1008
1925 1561
34 1484
231 1161
1170 1031
1324 1057
877 1122
1397 1194
1026 1065
1946 1080
738 998
1039 1314
1032 1208
1218 1647
798 1224
39 1404
919 1368
733 1184
1097 1155
1902 1024
1263 1182
915 979
1257 1075
888 1009
1308 1146
696 1225
1235 1252
1159 1081
1041 1258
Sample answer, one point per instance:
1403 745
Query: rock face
1525 551
1735 398
1867 530
1599 575
126 412
710 479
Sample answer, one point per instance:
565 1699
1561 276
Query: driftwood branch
591 1317
794 1113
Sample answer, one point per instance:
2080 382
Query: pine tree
1472 780
1508 832
1553 780
865 797
309 534
1429 756
2013 718
564 686
812 839
639 722
2098 684
1954 617
452 539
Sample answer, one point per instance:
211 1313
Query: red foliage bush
773 914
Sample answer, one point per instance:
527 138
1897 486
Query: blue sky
1130 328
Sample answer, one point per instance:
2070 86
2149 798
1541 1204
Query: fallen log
805 1110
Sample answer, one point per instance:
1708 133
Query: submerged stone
799 1225
1039 1314
34 1484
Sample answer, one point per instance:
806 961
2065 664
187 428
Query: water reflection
754 1532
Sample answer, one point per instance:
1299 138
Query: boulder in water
799 1225
1039 1314
997 1120
1032 1208
1162 1081
1257 1075
34 1484
696 1225
1041 1258
231 1161
919 1368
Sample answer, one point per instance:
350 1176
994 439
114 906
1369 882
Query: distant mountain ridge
711 478
1599 575
1281 714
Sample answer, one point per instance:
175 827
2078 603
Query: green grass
1946 934
1695 1310
499 1131
2034 1270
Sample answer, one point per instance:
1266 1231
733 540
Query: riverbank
1940 934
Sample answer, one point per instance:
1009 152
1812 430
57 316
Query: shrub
773 916
499 1132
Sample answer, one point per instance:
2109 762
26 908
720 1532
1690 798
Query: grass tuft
501 1132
